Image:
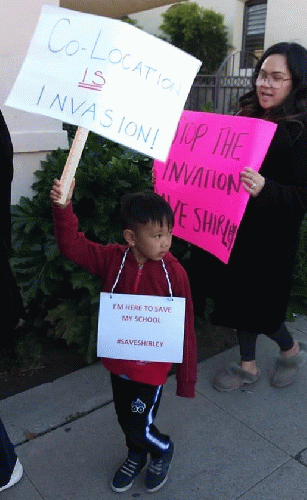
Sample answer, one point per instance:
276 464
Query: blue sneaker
127 472
156 474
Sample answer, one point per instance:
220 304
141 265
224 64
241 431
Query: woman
251 292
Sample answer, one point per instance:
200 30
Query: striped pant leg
136 405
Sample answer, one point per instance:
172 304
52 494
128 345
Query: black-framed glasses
274 80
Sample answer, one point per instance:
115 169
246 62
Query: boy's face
151 241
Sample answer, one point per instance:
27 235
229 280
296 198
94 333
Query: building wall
237 30
286 22
32 135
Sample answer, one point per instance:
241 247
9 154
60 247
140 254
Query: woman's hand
252 181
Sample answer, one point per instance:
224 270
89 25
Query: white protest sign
106 76
141 327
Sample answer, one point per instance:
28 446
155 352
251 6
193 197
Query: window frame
246 61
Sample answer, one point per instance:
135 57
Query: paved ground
247 445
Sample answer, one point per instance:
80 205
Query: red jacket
104 261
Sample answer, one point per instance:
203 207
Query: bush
61 297
198 31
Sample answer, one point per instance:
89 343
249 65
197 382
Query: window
253 30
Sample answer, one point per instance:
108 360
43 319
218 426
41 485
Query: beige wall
238 25
286 21
151 19
32 135
113 8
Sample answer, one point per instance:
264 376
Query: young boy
147 222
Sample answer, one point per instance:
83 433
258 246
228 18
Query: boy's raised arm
72 243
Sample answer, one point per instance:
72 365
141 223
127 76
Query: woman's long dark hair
294 107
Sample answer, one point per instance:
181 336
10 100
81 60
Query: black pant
247 342
136 406
8 456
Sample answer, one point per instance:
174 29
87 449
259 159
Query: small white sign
141 327
106 76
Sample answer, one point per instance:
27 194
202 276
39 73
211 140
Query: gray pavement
249 445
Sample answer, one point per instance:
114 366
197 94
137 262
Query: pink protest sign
200 178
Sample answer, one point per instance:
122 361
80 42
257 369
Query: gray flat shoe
232 378
286 369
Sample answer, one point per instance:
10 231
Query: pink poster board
200 178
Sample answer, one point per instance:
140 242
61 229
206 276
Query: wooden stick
73 161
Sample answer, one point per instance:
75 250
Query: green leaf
81 278
198 31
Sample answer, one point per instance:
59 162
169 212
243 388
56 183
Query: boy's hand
56 193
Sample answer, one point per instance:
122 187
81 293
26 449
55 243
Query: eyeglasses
274 80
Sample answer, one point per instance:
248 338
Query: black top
6 159
12 305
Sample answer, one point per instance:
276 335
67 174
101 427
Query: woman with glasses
251 292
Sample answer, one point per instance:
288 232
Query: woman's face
274 73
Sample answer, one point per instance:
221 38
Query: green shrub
198 31
208 107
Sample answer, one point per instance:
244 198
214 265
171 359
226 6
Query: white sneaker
15 477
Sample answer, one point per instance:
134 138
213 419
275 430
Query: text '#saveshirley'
139 342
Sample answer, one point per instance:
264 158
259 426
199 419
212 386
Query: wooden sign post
72 161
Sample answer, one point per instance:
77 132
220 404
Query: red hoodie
104 261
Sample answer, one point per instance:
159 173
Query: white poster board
106 76
141 327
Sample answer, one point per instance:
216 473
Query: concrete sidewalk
249 445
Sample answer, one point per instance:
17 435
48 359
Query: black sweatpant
247 342
136 406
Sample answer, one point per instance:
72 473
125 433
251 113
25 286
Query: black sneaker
156 474
126 474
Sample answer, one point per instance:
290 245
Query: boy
147 222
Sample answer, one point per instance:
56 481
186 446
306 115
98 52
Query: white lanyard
121 268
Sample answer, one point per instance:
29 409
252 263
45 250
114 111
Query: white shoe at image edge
15 477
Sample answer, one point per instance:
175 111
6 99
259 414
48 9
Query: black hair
294 107
143 207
